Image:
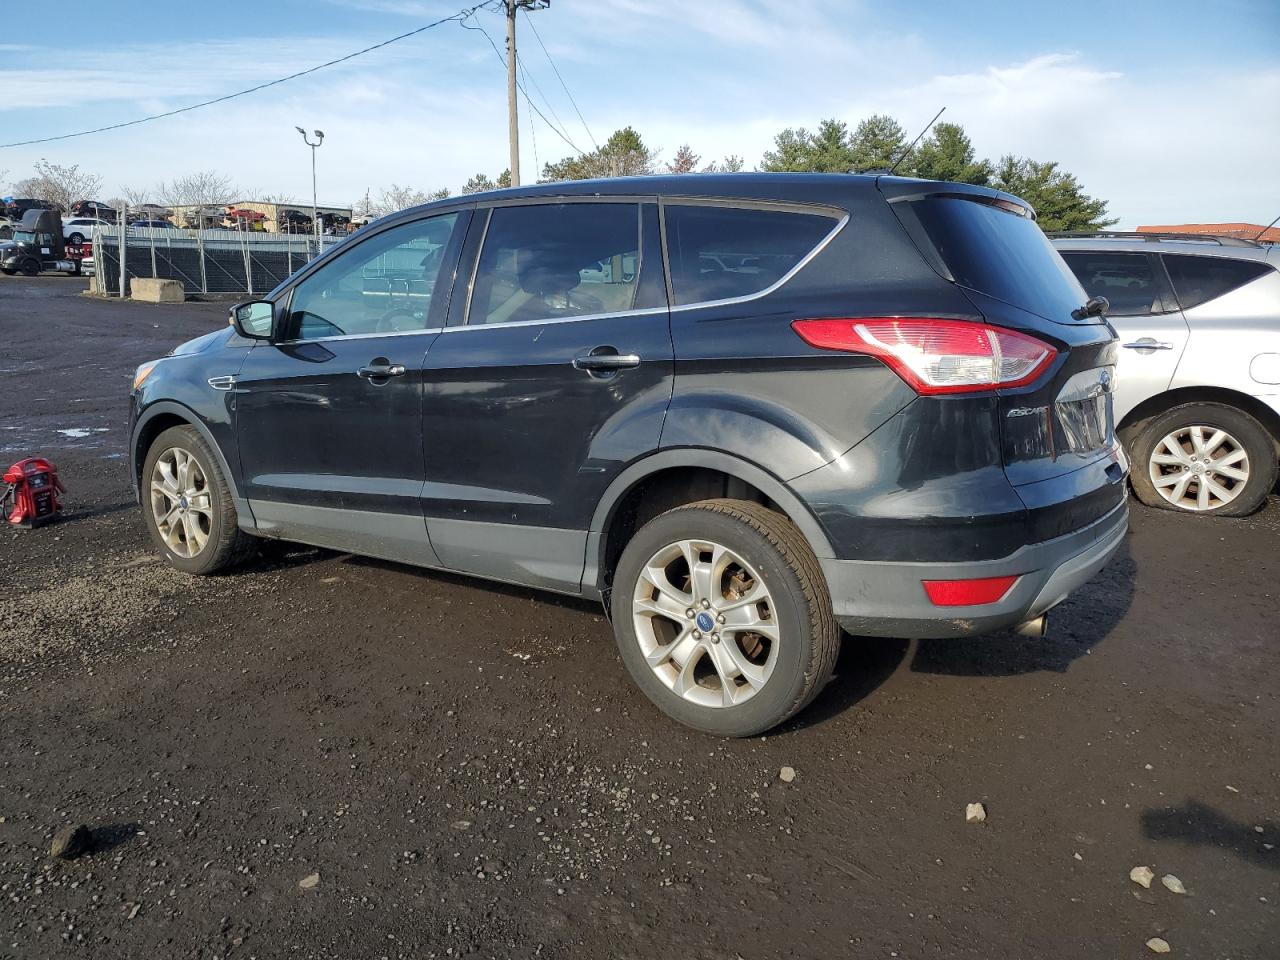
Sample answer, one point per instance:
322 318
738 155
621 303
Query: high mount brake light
934 355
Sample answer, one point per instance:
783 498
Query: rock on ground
70 842
975 813
1158 945
1142 876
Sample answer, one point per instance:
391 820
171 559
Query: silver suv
1197 396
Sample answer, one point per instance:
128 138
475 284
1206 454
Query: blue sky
1169 110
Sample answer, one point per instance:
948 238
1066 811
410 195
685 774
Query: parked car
79 229
95 209
152 225
1197 398
7 227
898 423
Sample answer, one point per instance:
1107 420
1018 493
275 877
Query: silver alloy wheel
705 623
181 502
1199 468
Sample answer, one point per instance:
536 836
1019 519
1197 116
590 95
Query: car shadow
1077 625
1200 824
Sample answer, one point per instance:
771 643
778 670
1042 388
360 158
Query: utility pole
315 219
513 112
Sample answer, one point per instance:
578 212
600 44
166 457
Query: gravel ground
327 756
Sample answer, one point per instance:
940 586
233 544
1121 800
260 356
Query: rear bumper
887 599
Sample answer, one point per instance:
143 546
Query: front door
329 416
1153 332
552 378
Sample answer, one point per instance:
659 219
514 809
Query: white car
80 229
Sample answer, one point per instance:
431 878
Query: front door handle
1147 343
605 360
380 368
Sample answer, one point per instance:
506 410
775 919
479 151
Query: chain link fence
203 261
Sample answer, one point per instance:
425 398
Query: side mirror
253 319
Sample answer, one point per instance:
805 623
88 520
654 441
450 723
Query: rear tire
76 238
686 636
189 510
1203 458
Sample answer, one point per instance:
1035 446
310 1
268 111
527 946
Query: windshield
24 236
1000 253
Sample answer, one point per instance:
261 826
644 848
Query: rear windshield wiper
1096 307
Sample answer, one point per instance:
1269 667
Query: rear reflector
935 355
967 593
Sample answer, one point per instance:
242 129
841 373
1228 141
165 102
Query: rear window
1197 280
1128 280
1001 254
722 253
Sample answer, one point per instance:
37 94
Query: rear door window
1130 281
721 252
555 261
1197 280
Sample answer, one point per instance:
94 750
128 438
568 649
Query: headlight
142 373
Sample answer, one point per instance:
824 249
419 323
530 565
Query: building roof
1243 231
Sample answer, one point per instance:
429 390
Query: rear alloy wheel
723 617
1204 458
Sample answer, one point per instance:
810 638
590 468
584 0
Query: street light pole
315 218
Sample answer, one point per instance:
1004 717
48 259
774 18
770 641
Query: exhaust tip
1035 629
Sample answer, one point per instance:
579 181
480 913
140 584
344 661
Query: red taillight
967 593
934 355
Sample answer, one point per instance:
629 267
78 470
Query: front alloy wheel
181 504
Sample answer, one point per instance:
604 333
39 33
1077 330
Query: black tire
227 545
809 637
76 238
1258 445
7 272
30 268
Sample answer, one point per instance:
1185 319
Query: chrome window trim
541 323
813 209
358 336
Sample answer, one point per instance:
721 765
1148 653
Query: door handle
1147 343
603 360
381 369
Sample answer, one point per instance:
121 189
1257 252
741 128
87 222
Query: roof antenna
1265 229
907 152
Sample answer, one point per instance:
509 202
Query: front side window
720 253
1197 280
386 284
551 261
1127 280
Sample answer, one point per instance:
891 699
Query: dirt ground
468 771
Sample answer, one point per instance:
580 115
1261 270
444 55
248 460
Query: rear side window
721 253
550 261
1129 281
1197 280
1000 253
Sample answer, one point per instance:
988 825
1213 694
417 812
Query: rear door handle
381 369
605 360
1147 343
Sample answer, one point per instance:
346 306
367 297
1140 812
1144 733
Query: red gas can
30 497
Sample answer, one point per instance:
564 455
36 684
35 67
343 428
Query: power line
529 100
564 85
460 15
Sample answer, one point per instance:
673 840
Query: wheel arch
157 418
1158 404
694 470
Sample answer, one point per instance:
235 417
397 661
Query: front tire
188 506
30 268
1204 458
76 238
723 617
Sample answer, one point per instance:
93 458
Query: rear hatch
1059 428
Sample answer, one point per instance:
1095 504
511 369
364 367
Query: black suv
743 411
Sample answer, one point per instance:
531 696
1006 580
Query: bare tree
730 164
207 188
62 186
396 197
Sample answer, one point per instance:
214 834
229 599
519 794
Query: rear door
329 414
553 375
1153 331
